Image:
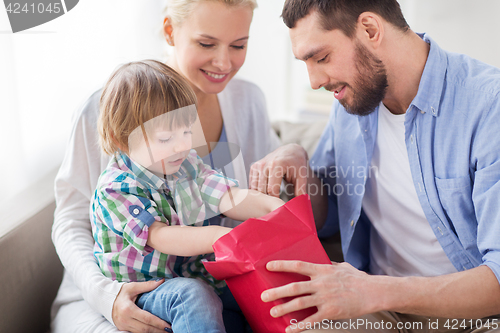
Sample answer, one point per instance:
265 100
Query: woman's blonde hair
179 10
138 92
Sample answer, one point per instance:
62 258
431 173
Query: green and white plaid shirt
129 198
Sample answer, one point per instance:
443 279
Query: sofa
31 271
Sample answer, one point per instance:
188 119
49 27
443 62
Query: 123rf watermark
366 325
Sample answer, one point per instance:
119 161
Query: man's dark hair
343 14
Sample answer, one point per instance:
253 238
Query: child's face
166 152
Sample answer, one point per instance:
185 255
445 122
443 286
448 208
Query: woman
230 110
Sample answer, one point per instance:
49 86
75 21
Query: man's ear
168 30
370 29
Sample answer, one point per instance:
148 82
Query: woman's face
210 45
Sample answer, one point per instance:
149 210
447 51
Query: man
408 169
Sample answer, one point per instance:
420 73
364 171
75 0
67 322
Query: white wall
268 57
463 26
271 64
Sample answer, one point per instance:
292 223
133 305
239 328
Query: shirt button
422 111
352 223
433 111
411 138
136 211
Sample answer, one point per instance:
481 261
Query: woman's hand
127 316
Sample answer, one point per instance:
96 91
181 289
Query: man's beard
370 85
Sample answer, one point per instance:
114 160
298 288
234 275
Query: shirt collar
431 83
145 175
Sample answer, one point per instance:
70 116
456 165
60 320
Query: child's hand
274 203
186 241
219 232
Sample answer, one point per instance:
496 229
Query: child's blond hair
179 10
138 92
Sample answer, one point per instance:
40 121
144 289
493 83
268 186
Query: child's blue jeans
188 304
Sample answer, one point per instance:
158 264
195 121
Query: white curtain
48 71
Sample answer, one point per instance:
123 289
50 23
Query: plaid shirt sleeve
213 185
126 211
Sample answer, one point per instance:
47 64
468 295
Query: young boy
152 202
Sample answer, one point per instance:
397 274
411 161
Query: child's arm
184 240
240 204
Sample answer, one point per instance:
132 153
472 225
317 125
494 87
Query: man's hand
287 162
339 291
290 163
127 316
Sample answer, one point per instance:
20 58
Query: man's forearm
474 293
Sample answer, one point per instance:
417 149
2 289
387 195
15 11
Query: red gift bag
288 233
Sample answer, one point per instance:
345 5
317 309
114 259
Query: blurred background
47 72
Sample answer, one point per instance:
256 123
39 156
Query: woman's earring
170 41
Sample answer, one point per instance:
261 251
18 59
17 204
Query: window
47 72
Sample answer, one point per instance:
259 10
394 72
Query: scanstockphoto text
357 176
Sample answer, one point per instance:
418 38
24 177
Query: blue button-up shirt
452 135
